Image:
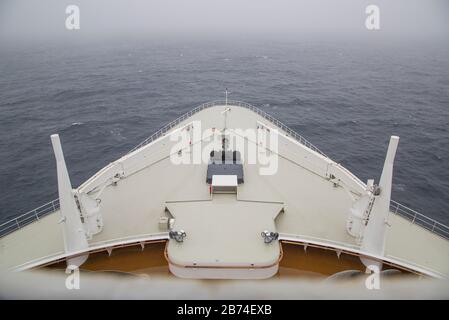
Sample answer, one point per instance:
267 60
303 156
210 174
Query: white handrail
203 106
28 217
419 219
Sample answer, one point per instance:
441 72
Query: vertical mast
72 227
375 232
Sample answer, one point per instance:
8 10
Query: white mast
72 227
375 232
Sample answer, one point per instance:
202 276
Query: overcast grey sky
46 18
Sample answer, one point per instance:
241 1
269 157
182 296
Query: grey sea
103 98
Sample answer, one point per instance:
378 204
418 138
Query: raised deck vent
224 184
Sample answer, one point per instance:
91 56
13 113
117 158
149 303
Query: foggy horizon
324 19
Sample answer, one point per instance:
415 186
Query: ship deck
314 208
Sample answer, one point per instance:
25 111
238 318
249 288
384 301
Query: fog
26 20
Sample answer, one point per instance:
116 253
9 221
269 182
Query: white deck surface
224 232
314 208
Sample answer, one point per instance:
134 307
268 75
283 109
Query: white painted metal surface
224 180
224 183
223 233
377 220
73 230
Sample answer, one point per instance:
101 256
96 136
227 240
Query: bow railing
206 105
419 219
28 217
